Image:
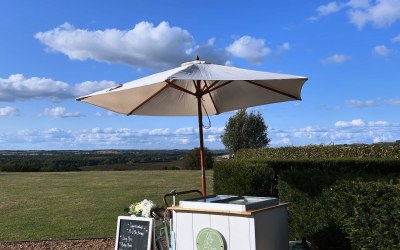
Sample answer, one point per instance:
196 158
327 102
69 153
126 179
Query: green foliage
192 159
374 151
367 212
343 203
51 161
348 214
229 174
245 130
243 178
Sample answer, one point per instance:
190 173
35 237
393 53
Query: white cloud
361 104
8 111
384 13
357 4
336 58
159 131
396 39
19 87
149 46
212 138
355 131
281 142
284 47
185 131
329 8
145 45
249 48
394 102
352 123
88 87
60 112
378 123
380 50
381 13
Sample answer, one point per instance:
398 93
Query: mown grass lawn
36 206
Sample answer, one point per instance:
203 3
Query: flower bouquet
142 209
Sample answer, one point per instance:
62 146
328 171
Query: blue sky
54 51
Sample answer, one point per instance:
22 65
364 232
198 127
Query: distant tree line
26 161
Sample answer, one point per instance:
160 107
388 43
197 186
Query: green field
61 205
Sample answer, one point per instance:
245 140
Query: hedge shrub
229 175
359 214
241 177
343 204
368 212
374 151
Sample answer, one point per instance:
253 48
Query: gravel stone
75 244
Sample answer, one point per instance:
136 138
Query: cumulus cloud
19 87
145 45
249 48
335 59
352 123
8 111
342 132
361 104
60 112
380 50
103 138
381 13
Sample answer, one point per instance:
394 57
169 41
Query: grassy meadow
59 205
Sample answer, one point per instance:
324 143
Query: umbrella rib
173 85
273 90
215 88
207 87
147 100
212 99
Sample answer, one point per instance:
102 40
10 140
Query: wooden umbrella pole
203 172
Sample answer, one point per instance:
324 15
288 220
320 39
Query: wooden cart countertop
214 211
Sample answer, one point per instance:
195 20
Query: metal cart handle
174 193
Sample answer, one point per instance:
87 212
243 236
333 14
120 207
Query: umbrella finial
197 58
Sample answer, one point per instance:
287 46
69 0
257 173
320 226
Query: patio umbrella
196 88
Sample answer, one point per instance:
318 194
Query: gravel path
83 244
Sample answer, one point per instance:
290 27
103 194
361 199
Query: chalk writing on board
133 234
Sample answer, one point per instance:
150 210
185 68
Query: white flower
142 208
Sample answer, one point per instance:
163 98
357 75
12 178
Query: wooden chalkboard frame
151 227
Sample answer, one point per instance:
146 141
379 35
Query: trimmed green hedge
349 214
374 151
240 178
343 204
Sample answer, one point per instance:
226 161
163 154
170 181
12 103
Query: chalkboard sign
133 233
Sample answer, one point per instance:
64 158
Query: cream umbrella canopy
195 88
